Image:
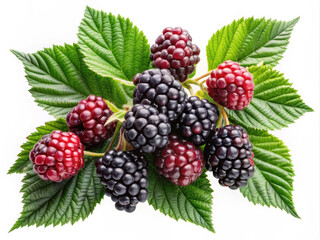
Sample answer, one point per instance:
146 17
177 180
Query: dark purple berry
197 121
159 89
145 128
125 178
228 155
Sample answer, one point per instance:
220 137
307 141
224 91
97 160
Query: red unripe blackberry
87 120
181 162
125 178
57 156
231 85
174 50
228 155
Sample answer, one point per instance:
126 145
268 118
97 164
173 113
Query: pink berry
57 156
231 86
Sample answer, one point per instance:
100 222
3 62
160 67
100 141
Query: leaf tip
14 227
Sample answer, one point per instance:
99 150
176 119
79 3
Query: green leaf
49 203
112 46
59 79
23 158
275 103
191 203
272 183
250 41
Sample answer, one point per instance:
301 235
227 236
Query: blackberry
174 50
197 121
159 88
125 178
57 156
231 85
180 161
87 120
228 155
145 128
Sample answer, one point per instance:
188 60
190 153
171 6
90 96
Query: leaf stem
93 154
114 136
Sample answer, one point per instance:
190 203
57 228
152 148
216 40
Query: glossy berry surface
125 178
87 120
174 50
180 161
159 88
57 156
145 128
231 85
197 121
228 155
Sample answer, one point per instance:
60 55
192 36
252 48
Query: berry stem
93 154
202 86
122 144
223 113
219 121
203 76
191 90
191 81
187 85
116 131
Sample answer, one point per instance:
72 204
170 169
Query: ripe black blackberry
197 120
145 128
87 120
228 155
125 178
159 88
174 50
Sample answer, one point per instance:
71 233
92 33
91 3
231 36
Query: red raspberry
231 85
174 50
87 120
57 156
180 161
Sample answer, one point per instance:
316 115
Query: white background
29 26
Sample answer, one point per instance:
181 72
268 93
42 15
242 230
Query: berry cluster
174 50
163 121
